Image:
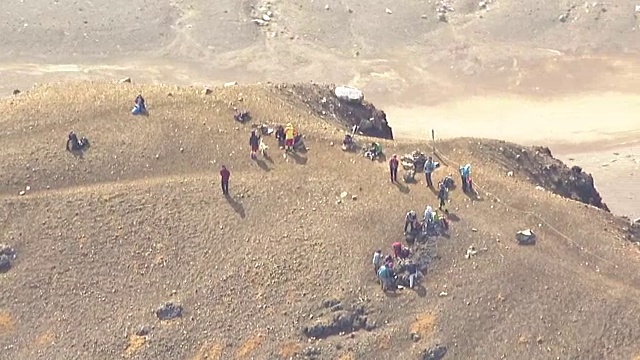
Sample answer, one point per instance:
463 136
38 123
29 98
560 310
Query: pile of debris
263 15
443 8
414 161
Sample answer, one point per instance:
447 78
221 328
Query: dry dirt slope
104 240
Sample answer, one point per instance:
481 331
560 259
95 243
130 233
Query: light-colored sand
570 120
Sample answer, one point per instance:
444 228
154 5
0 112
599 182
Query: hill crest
139 221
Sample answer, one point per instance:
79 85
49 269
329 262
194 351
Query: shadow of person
391 293
263 165
403 188
453 217
473 195
77 153
236 206
300 160
268 158
420 290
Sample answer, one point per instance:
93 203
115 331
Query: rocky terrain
130 250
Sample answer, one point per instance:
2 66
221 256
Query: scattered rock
471 251
230 83
637 8
563 18
207 91
510 173
354 197
415 337
169 311
341 322
16 92
326 7
329 303
125 80
443 294
312 352
435 353
143 331
388 11
22 193
343 194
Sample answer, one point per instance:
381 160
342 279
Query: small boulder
125 80
169 311
435 353
526 237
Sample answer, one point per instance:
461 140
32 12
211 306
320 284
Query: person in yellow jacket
289 137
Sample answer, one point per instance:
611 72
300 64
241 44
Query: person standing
443 196
429 166
225 174
393 168
254 142
289 137
377 260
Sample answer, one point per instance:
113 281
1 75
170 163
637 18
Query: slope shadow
236 206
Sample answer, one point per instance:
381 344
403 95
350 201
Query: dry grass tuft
249 346
134 345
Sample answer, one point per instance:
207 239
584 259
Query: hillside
102 241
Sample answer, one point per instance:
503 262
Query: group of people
433 221
287 137
384 268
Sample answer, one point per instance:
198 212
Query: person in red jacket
225 175
393 168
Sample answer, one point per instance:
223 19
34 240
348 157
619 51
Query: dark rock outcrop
322 101
435 353
338 322
539 165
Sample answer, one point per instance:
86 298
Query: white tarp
349 93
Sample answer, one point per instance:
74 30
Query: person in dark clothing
442 196
393 168
429 167
280 136
225 175
414 273
254 142
73 138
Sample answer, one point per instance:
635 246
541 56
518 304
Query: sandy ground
511 71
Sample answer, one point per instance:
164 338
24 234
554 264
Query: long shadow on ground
263 165
236 206
403 188
300 160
